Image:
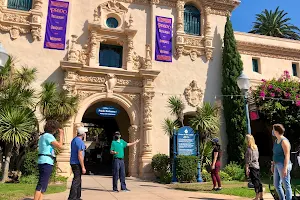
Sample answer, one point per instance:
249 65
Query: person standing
216 164
252 166
46 156
281 164
117 150
77 163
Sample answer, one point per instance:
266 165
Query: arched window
111 55
19 4
192 23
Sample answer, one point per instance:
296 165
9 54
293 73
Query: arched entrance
98 159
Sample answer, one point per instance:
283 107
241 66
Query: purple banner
163 46
55 37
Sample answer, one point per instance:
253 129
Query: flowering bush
278 101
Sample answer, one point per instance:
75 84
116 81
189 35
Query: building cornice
219 7
266 37
271 51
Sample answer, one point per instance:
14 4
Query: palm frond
169 125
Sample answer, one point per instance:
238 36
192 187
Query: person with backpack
252 166
46 157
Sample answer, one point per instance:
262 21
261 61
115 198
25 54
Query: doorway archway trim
129 106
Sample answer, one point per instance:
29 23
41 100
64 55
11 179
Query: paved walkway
99 187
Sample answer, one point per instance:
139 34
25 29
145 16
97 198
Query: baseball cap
215 140
81 130
117 133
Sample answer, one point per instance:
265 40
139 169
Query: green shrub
160 164
166 178
206 176
30 166
30 179
58 178
235 171
186 168
224 176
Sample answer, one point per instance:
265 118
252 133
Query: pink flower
278 90
262 94
287 95
286 72
272 94
298 103
263 80
270 86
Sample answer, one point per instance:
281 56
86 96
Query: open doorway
98 159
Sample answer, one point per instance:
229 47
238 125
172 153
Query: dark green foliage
235 171
186 168
161 167
275 24
29 166
234 110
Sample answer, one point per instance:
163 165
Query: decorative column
93 47
146 154
133 161
130 52
63 159
180 15
208 35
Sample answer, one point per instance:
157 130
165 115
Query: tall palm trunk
8 155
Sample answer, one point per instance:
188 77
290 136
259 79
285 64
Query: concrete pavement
100 187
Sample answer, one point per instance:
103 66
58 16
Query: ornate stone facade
17 22
133 151
193 94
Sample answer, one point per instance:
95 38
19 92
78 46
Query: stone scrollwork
17 22
133 157
111 81
193 94
77 54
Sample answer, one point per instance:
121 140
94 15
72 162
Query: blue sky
243 16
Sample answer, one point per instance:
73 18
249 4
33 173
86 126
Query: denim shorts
45 171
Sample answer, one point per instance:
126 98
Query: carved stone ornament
76 53
193 94
17 22
111 81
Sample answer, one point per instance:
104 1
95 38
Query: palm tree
207 123
169 125
17 119
57 105
16 127
275 24
176 107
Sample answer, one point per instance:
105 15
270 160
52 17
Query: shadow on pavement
96 189
206 198
149 186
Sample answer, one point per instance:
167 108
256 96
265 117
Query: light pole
3 56
244 85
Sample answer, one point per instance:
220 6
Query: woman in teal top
47 143
281 165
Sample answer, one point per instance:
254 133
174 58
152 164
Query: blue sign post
107 111
187 143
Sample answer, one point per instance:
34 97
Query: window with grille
192 23
255 64
19 4
111 55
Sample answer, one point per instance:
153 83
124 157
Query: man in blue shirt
77 163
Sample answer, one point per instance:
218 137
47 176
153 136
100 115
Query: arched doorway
101 131
127 121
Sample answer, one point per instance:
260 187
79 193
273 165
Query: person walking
281 164
46 156
216 164
117 150
77 163
252 166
